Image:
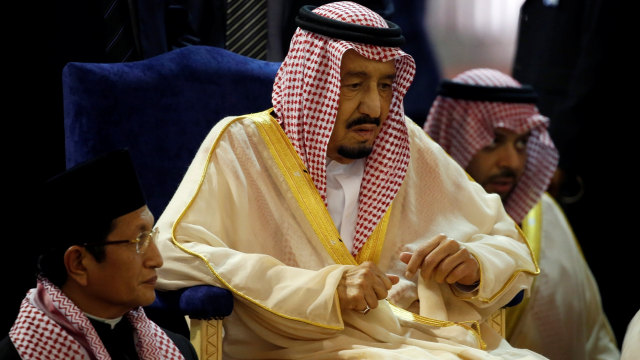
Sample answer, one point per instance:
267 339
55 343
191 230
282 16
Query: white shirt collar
111 322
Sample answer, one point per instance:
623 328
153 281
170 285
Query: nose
152 256
512 158
370 102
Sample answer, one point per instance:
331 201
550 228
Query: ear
74 261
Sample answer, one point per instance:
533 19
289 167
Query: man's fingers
393 278
459 267
417 260
371 299
445 268
457 274
466 273
363 286
405 257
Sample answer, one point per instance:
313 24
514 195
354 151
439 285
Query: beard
504 174
362 150
355 152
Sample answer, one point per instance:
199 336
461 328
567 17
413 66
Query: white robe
563 318
248 217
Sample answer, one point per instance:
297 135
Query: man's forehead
504 132
356 64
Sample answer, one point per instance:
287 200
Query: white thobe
247 217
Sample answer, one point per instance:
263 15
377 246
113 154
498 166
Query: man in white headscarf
490 125
314 215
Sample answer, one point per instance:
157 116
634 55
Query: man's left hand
444 260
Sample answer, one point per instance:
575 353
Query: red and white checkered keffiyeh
306 95
462 127
51 326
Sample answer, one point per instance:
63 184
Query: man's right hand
362 286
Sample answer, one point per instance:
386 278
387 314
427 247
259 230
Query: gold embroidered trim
515 273
373 246
532 228
204 259
303 188
309 200
471 326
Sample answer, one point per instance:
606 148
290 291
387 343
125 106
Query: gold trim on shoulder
204 259
302 187
309 200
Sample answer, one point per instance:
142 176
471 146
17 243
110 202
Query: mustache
504 173
363 120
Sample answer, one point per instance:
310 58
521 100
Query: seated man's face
499 166
365 96
124 279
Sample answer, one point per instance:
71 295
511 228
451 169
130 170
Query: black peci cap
80 203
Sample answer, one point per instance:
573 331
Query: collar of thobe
343 190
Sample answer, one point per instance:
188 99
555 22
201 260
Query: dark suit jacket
9 352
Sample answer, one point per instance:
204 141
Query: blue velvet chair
161 109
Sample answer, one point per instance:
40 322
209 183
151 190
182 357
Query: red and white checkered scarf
51 326
306 95
463 127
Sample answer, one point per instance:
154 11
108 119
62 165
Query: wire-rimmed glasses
142 241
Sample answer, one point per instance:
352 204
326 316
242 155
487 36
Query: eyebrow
497 134
390 76
142 227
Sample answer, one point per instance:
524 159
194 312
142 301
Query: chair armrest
516 299
498 320
205 305
198 302
206 302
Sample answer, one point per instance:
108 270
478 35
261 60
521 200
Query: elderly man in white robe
315 215
490 125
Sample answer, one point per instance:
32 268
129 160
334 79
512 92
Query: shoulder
231 134
241 127
417 136
551 210
430 157
555 223
423 147
183 344
245 120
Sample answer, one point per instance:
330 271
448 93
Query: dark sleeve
183 344
8 351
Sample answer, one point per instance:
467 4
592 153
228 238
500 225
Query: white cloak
563 318
247 217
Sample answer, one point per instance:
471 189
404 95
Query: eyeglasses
142 241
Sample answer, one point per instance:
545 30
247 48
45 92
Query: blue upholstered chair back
160 109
